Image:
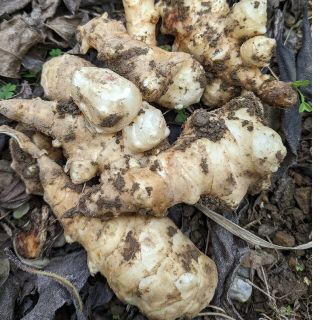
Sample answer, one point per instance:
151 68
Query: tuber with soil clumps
147 261
171 79
224 153
231 45
92 141
103 123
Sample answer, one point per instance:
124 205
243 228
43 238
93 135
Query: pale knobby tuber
88 153
108 101
230 44
91 141
147 261
223 153
171 79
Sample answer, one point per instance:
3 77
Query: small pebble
240 290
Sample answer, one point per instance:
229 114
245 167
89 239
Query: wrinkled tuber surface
87 153
223 153
147 261
171 79
230 44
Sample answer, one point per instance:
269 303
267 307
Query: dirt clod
282 238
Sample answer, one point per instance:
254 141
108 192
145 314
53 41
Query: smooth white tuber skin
214 33
225 154
108 101
141 20
171 79
147 261
88 153
57 75
147 130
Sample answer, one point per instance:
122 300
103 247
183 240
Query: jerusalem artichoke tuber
171 79
147 261
230 43
225 153
87 153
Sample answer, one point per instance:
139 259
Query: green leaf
7 91
299 267
55 52
286 311
21 211
29 74
300 83
305 107
181 116
166 47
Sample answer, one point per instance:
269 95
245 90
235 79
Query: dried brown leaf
11 6
65 27
16 38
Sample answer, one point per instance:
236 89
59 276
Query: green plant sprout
304 105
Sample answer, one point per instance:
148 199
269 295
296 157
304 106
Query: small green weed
55 53
7 91
304 105
299 267
181 116
286 311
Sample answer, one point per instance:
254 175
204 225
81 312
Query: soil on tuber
147 261
171 79
231 45
224 153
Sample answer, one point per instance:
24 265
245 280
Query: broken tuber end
278 93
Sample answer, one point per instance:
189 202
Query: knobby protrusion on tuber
171 79
147 261
56 76
108 101
141 20
230 44
224 153
88 153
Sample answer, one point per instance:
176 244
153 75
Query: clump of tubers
171 79
224 153
230 44
147 261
